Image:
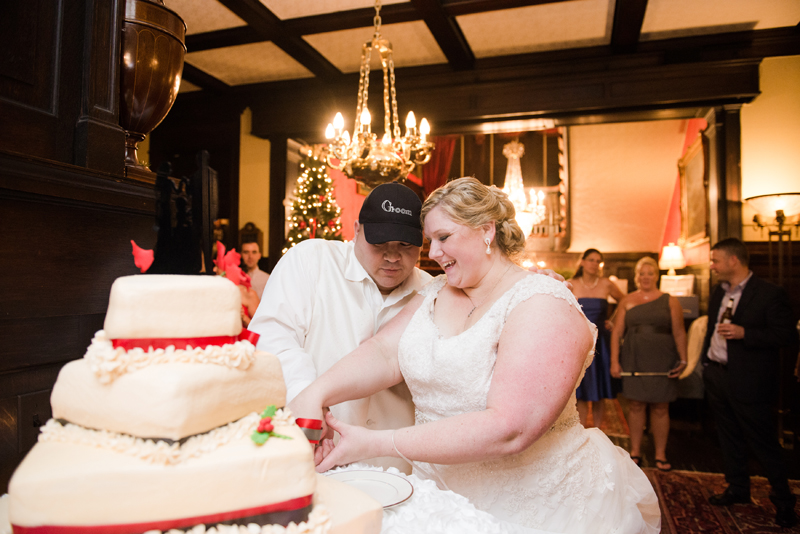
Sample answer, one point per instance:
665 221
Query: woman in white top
492 355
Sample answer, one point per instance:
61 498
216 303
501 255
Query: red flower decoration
228 266
142 258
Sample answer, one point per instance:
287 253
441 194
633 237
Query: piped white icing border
319 522
160 452
108 363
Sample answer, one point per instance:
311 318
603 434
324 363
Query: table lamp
671 259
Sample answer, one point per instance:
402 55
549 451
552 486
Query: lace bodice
450 376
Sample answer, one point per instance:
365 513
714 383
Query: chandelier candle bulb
338 123
366 119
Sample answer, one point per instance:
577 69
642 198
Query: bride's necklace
476 306
596 281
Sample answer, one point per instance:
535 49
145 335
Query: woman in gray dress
651 324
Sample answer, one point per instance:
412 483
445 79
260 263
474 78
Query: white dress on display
570 480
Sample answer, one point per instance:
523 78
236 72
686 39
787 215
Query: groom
324 298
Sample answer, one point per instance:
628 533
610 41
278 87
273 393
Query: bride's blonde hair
467 201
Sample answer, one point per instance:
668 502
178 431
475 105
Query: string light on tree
315 213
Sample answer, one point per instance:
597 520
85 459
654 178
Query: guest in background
741 375
592 291
250 256
651 324
227 265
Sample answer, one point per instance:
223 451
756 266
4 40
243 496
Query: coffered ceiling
234 43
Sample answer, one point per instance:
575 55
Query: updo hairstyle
467 201
647 260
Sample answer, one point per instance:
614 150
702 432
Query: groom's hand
551 273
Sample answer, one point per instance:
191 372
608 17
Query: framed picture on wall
694 194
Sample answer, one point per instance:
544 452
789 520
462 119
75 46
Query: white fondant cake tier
173 306
67 484
338 509
352 510
171 400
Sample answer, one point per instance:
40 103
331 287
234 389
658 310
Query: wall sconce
778 210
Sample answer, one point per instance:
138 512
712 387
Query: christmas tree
315 214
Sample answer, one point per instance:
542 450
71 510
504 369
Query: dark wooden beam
277 192
452 101
204 80
222 39
271 28
348 20
627 28
468 7
447 33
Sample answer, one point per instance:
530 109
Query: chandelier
364 157
528 212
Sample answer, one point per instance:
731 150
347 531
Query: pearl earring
488 246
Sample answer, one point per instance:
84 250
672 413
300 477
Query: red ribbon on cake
184 523
183 342
312 428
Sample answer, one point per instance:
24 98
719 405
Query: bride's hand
354 445
323 450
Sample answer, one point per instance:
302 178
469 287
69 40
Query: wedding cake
164 424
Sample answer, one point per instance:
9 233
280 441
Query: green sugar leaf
259 438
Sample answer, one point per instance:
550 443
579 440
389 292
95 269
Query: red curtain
436 171
672 230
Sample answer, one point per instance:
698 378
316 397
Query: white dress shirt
718 349
318 306
258 279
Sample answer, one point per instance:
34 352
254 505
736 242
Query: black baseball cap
391 213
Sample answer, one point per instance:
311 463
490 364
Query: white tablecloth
431 510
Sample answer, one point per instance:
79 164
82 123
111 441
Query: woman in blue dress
592 291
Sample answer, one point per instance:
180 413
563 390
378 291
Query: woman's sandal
637 459
663 465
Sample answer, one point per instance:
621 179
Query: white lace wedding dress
571 480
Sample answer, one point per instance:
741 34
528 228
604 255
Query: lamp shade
768 205
671 258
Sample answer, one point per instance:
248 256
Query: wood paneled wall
67 212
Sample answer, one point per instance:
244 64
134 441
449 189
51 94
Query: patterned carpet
614 423
683 496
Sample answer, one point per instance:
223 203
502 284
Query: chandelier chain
387 118
396 115
377 19
360 89
363 96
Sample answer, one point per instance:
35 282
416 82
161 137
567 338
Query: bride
492 355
